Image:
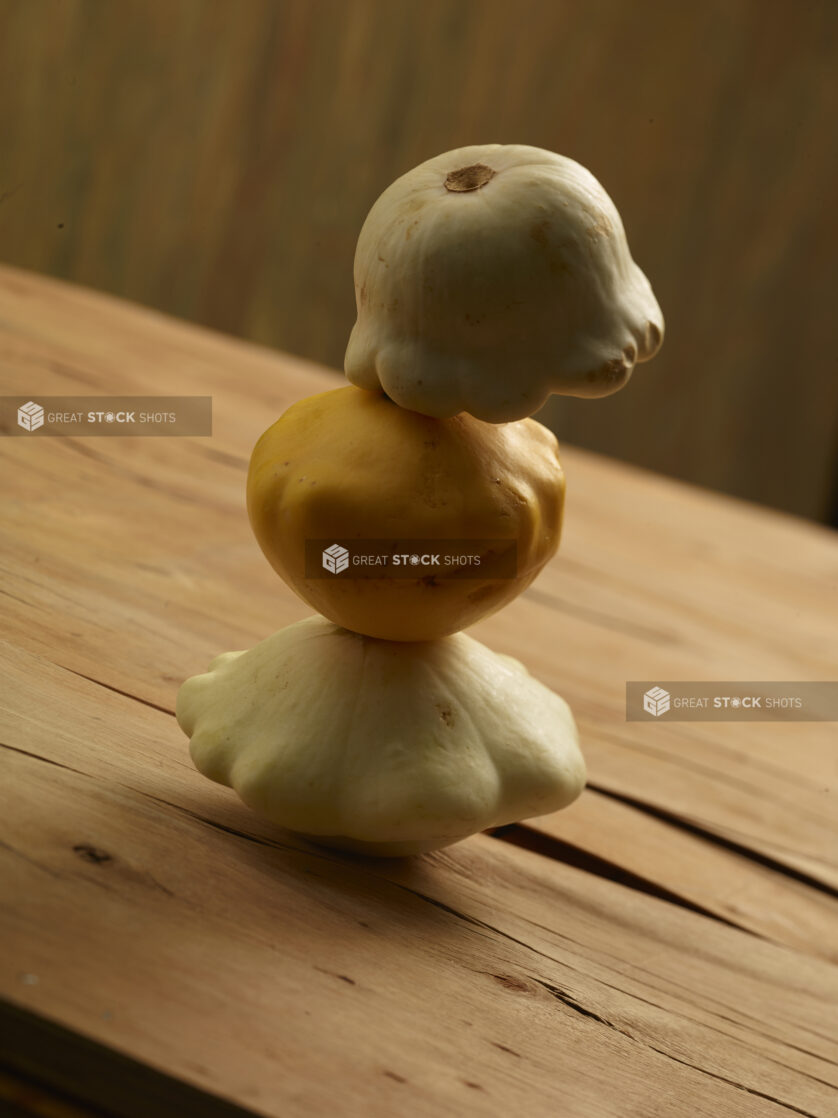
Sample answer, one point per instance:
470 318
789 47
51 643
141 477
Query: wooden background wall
215 158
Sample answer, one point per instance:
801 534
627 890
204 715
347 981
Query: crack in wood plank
752 1025
38 757
519 834
684 993
117 690
718 839
736 1084
569 1000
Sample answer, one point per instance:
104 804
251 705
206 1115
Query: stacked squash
485 279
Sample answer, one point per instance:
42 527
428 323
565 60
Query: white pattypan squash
491 276
385 747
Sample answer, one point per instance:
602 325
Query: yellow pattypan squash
349 466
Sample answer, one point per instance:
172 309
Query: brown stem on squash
469 178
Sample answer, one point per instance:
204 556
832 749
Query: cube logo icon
30 416
335 558
656 701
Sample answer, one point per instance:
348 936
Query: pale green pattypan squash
385 747
491 276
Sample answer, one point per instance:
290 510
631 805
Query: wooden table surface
667 946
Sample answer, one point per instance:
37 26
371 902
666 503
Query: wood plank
130 562
271 972
768 786
623 841
653 578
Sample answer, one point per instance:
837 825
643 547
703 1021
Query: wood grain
201 924
653 578
217 160
665 856
665 946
